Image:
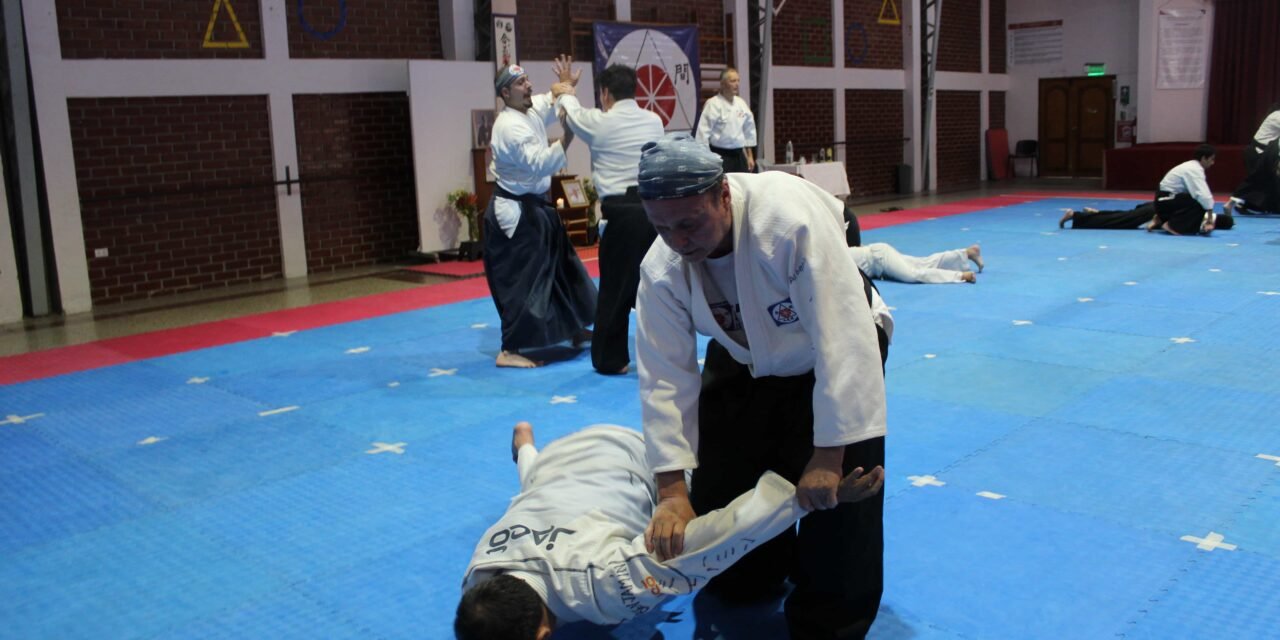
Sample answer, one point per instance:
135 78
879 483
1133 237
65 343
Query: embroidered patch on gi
783 312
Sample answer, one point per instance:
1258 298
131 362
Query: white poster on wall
1180 56
504 41
1035 42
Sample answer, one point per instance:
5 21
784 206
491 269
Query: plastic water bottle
791 156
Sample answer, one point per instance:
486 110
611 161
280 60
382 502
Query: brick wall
802 34
806 117
959 42
995 110
148 171
997 31
707 14
959 142
542 26
368 29
867 43
368 213
873 129
155 29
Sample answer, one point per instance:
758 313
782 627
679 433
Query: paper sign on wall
1181 52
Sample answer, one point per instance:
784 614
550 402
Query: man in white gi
727 126
1184 204
792 382
881 260
571 547
543 293
615 133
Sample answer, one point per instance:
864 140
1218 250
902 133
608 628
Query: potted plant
592 224
466 205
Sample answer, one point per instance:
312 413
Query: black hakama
626 240
1183 213
1134 218
735 160
543 293
1260 190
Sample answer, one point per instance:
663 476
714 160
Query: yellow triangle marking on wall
889 5
209 43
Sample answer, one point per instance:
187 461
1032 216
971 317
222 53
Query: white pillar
284 143
622 10
458 29
837 64
913 102
45 53
10 290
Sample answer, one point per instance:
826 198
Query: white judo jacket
576 531
803 308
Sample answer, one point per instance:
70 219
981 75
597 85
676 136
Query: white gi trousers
879 260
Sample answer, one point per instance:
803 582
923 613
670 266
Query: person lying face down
571 544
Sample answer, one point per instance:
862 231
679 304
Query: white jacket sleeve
704 122
828 294
632 581
748 126
667 355
586 123
1199 190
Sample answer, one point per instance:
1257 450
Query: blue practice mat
1083 445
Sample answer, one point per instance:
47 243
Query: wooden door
1077 120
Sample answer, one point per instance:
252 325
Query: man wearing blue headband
543 293
792 382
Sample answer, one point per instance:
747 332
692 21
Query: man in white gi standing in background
615 133
727 126
571 545
792 383
543 293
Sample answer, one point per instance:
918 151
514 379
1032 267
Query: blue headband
510 74
677 166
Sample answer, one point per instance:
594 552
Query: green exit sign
1095 68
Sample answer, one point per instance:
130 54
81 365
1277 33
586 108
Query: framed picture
574 195
481 127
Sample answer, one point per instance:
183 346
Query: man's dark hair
500 608
1204 151
620 80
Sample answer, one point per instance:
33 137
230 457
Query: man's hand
751 161
665 534
857 486
816 490
563 67
562 88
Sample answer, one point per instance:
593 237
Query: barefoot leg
521 435
515 360
1062 223
968 276
974 253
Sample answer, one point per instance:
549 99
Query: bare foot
1062 223
515 360
974 253
521 435
1154 224
1090 210
1230 207
583 337
968 276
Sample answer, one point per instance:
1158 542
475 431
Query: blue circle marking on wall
324 35
848 43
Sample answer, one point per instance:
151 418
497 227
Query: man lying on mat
571 545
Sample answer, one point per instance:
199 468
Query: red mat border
36 365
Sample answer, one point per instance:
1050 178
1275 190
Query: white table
828 175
